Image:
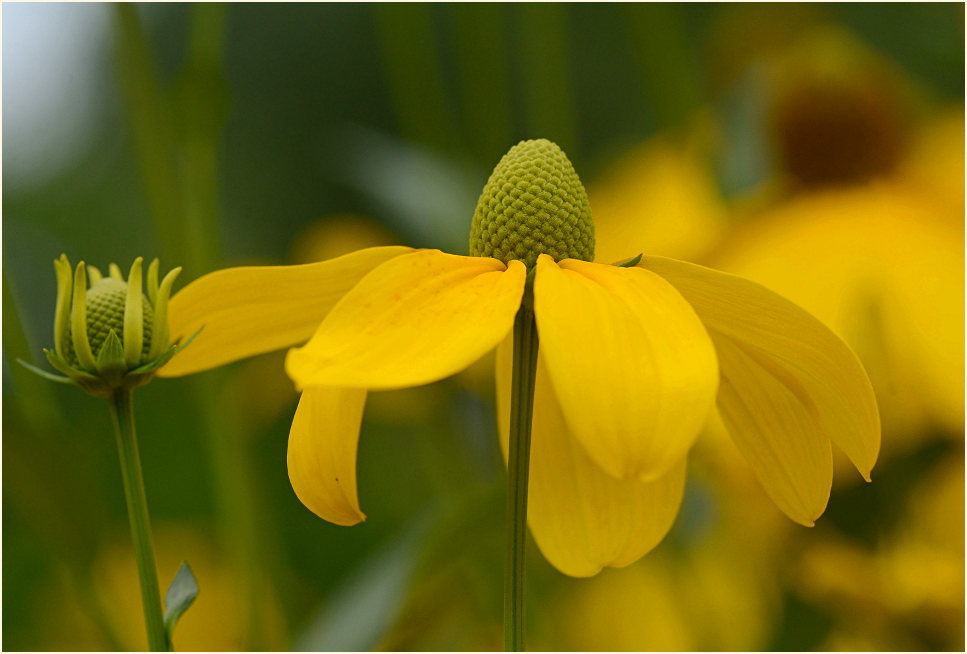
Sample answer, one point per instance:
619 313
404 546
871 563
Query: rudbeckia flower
632 360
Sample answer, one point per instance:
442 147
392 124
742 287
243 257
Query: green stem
122 414
518 467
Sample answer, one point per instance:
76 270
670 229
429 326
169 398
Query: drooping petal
775 431
251 310
415 319
789 385
582 518
630 362
322 452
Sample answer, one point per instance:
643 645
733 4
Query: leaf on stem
181 593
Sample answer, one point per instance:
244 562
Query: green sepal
62 366
78 320
134 316
110 359
166 357
46 375
62 314
91 384
630 263
181 593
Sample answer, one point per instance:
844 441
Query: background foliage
213 135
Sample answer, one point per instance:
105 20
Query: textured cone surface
533 203
105 311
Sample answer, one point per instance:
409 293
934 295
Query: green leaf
62 366
181 593
364 607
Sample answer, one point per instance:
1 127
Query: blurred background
817 149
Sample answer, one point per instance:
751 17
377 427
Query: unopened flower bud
110 336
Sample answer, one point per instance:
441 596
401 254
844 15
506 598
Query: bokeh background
818 149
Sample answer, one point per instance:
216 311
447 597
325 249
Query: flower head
633 359
533 204
109 336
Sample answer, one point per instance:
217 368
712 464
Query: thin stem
122 413
518 467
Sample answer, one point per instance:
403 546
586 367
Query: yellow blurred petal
339 234
255 309
661 198
788 385
322 452
884 269
630 361
935 167
582 518
415 319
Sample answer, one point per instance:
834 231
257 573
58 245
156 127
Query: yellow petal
882 266
633 367
415 319
789 385
581 517
255 309
776 432
322 452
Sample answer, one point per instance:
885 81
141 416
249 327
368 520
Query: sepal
111 365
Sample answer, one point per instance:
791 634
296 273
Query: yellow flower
632 361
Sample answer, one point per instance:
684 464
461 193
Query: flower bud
110 336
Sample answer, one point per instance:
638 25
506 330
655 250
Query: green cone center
534 203
105 311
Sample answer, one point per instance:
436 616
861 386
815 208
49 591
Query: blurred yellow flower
709 600
629 367
339 234
862 221
879 266
660 196
213 624
910 582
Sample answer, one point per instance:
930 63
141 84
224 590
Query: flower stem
122 414
518 467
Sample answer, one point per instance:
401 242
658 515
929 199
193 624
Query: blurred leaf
668 63
482 60
413 64
149 122
544 66
430 195
181 593
363 608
